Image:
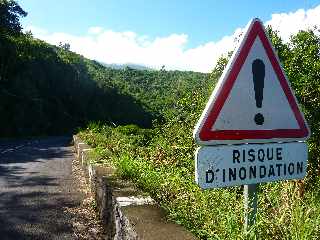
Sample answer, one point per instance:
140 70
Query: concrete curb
126 212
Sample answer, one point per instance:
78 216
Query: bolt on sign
252 105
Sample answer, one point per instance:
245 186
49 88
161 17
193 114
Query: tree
10 13
220 65
64 46
303 69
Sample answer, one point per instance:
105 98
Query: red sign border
207 134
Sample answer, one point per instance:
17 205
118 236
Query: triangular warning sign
253 101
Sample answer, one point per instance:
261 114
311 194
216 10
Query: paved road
36 186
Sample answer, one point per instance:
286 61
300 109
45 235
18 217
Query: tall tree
10 13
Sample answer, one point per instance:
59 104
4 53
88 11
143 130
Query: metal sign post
250 193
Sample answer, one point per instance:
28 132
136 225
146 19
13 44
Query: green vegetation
10 12
141 122
46 89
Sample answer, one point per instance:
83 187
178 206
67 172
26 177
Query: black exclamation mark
258 72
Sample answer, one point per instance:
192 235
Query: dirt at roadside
85 222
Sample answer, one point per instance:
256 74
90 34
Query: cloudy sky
183 35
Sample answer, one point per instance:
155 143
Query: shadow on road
37 188
35 215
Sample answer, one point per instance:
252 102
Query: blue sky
187 24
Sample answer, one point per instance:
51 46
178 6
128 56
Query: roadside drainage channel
126 212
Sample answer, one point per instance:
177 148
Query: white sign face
252 102
240 108
223 166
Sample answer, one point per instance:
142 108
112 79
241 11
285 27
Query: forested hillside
48 90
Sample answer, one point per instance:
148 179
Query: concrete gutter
126 212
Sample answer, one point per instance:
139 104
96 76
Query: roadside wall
126 212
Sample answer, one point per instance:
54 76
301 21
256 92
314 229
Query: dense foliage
47 90
10 12
301 61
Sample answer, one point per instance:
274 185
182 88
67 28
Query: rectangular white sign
230 165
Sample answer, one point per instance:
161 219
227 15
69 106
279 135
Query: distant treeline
47 90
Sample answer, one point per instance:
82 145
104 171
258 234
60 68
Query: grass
166 173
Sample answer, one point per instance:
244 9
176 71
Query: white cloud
128 47
95 30
290 23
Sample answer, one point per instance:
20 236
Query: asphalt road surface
36 187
